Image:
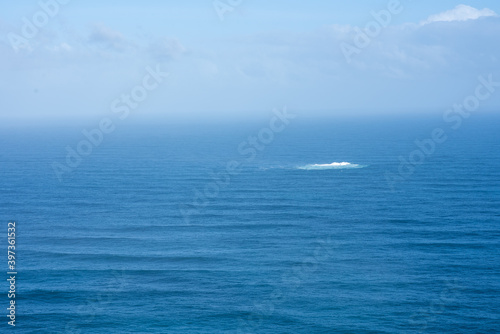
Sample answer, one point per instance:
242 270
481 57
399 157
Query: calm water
150 235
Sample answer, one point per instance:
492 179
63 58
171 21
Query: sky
63 60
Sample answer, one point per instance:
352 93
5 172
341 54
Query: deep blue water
119 247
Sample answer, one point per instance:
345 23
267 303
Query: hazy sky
229 58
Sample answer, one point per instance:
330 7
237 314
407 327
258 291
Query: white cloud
108 38
166 49
60 48
460 13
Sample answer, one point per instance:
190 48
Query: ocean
300 225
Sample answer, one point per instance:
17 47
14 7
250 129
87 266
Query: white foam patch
333 165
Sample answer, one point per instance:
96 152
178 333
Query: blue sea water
152 234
